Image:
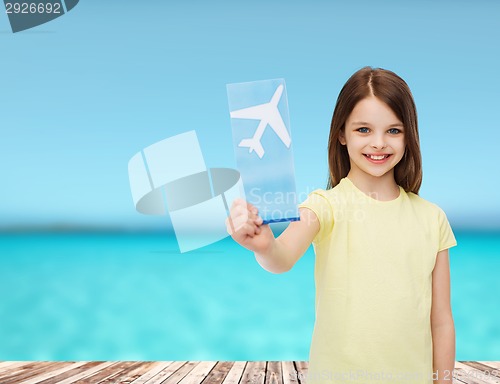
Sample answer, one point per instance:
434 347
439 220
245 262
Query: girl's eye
362 130
394 130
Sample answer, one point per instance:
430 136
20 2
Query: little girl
382 277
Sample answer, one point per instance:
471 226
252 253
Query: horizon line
75 228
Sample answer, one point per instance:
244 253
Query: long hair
393 91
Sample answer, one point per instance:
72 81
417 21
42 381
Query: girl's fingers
243 212
245 227
236 222
250 230
238 210
252 208
243 218
239 205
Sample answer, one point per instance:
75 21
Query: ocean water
134 297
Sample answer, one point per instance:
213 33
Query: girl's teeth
377 157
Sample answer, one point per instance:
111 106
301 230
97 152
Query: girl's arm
442 326
274 255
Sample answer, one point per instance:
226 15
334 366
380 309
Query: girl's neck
383 188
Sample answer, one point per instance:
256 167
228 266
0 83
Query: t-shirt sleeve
318 202
446 236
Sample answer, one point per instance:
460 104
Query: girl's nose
379 144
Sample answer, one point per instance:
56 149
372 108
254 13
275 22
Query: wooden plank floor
194 372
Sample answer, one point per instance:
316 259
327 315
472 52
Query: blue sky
82 94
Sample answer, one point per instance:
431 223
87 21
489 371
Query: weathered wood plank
180 373
199 373
141 369
235 373
28 371
274 373
17 369
290 375
469 375
484 372
104 373
10 365
79 373
218 373
167 372
492 364
6 364
120 376
153 371
254 373
301 368
50 374
196 372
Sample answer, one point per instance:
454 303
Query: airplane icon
268 114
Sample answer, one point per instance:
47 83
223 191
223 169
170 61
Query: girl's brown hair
392 90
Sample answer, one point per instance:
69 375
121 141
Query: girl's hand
245 227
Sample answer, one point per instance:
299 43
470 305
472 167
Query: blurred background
83 276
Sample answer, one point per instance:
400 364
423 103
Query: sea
134 296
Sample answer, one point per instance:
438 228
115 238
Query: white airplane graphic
268 114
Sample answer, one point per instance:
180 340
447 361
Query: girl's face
373 129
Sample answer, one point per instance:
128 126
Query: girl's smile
376 159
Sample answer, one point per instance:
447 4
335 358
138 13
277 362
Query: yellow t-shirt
373 276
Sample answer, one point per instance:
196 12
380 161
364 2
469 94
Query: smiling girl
382 274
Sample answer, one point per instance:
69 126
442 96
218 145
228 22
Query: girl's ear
342 138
